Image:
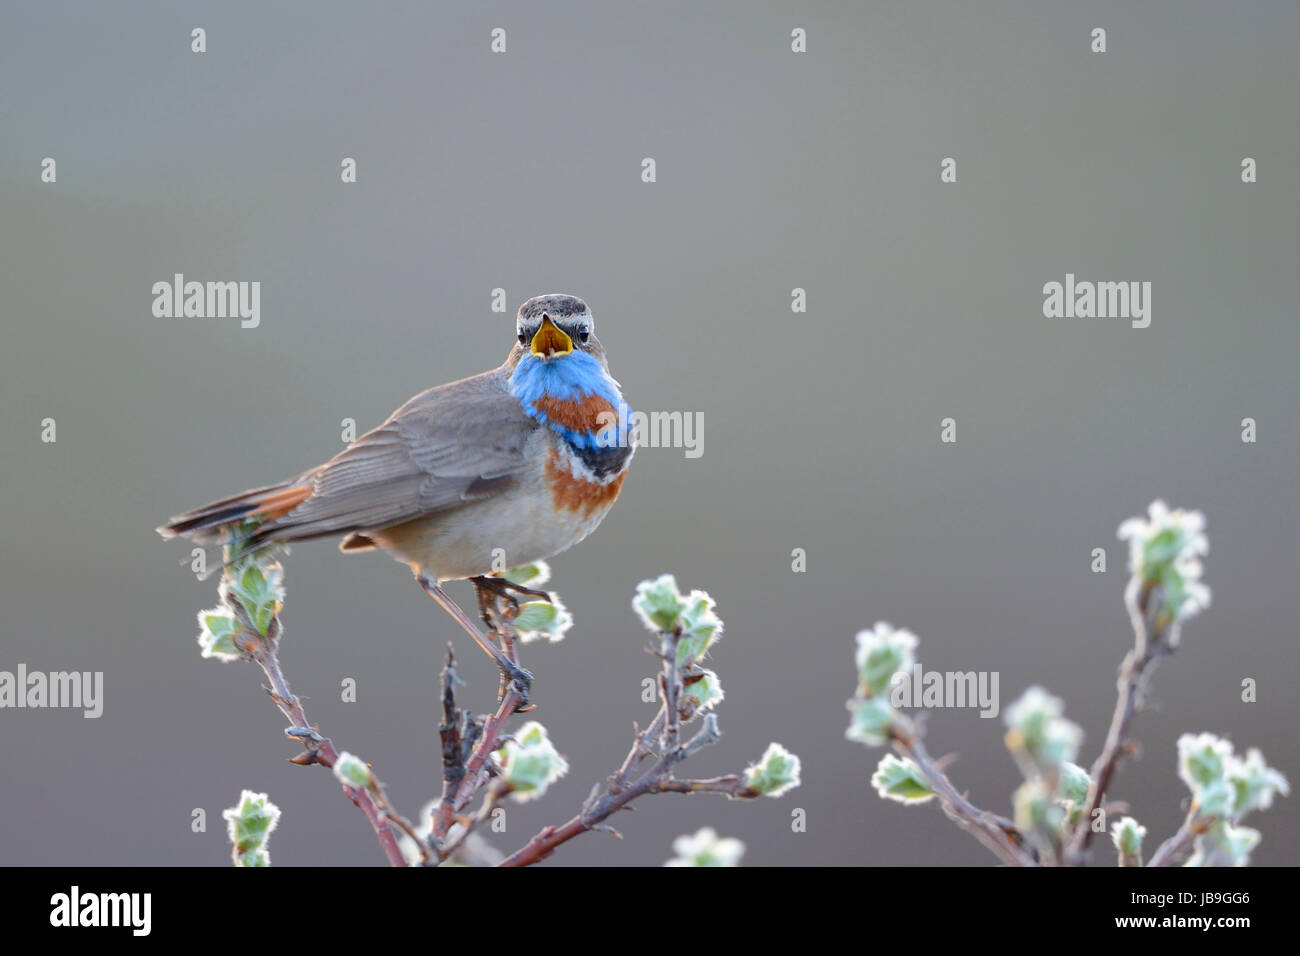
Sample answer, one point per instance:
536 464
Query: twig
452 734
670 688
479 764
997 834
732 785
640 750
463 777
491 799
1193 826
1152 641
318 749
659 778
467 745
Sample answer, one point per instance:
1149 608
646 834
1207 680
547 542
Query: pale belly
516 527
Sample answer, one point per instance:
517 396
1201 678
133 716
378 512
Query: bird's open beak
550 341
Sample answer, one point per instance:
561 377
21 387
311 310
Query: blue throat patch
569 379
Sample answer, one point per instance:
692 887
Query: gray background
821 430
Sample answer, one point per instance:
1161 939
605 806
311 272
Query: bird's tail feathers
212 522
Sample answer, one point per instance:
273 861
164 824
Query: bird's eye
584 333
523 338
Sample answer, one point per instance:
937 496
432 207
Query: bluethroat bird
521 458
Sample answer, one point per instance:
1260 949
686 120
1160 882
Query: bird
516 464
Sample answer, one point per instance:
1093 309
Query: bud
530 575
775 772
1214 799
1253 784
1164 551
539 619
1074 782
882 653
1072 790
530 762
249 825
1038 729
659 604
871 720
701 628
901 779
700 695
217 630
256 856
706 848
258 588
1202 761
1034 807
1224 845
1060 743
1128 835
352 770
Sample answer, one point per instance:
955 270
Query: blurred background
523 171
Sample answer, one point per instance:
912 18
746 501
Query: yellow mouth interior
550 341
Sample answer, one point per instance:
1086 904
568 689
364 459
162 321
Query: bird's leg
509 669
502 588
485 606
488 606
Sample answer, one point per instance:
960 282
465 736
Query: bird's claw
502 587
515 678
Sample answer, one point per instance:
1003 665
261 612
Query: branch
640 750
1153 640
493 797
619 792
1192 827
317 749
599 807
468 744
464 777
997 834
457 733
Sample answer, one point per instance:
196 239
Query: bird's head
557 355
552 328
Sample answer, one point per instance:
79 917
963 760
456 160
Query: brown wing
454 443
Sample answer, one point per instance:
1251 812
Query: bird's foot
501 588
515 678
